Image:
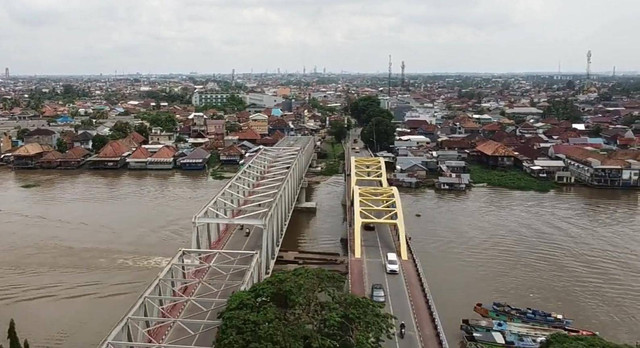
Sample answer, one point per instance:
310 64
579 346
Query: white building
262 100
202 97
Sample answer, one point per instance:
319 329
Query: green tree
87 124
180 139
22 133
302 308
234 103
142 129
349 123
379 134
12 335
165 120
98 142
61 145
120 129
232 127
595 131
629 120
564 109
338 131
570 85
560 340
366 108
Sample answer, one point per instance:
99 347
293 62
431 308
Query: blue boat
506 312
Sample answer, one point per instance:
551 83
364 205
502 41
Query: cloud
157 36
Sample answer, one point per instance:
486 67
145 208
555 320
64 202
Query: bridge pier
302 204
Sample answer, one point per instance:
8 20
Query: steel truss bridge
377 204
180 307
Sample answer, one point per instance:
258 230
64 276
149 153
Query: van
391 263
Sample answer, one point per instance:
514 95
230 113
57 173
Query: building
112 156
27 156
163 158
618 169
157 135
41 136
50 160
231 154
74 158
195 160
83 140
138 159
260 123
201 97
261 100
494 154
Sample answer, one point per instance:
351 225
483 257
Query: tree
87 124
595 131
379 134
338 131
362 106
561 340
12 335
570 85
231 127
234 103
142 129
302 308
98 142
120 129
564 109
349 123
180 139
165 120
22 133
61 145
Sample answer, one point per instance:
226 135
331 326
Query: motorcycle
402 330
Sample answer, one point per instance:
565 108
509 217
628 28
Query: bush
511 179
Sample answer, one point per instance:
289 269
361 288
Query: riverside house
74 158
112 156
139 158
27 156
617 169
231 154
49 160
163 158
494 154
196 160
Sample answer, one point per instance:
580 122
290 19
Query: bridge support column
301 203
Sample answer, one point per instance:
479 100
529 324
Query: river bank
510 179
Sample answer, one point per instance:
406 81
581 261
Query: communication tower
402 74
6 73
613 75
233 77
389 80
588 64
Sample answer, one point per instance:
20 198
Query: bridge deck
406 298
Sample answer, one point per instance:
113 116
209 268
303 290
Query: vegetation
302 308
338 131
98 142
180 139
233 104
61 145
142 129
12 337
560 340
120 130
511 179
564 109
232 127
22 132
165 120
378 132
334 159
323 109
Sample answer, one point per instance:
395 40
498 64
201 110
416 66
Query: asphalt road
375 246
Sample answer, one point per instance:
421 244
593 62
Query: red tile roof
492 148
492 127
166 151
415 124
137 138
51 156
247 134
76 153
140 153
231 150
113 149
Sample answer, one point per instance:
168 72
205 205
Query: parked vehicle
378 294
391 263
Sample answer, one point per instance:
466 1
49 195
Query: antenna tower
389 80
402 74
588 64
614 71
233 77
6 73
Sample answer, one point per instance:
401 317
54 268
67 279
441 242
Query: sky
215 36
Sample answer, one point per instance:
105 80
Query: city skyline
492 36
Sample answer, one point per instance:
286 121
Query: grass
27 186
335 158
511 179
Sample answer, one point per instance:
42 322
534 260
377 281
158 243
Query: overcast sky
162 36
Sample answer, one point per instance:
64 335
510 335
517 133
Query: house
215 129
138 159
112 156
74 158
412 165
277 124
455 183
260 123
26 115
494 154
231 154
618 169
41 136
49 160
27 156
547 169
163 158
195 160
249 135
83 140
157 135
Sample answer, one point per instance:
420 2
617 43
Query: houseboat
452 183
27 156
505 312
138 159
488 325
195 160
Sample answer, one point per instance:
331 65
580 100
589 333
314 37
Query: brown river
76 251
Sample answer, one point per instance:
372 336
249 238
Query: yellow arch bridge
374 201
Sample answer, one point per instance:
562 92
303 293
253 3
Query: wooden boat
487 325
499 339
505 312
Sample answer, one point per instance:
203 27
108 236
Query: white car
391 263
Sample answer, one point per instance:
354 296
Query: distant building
261 100
41 136
201 98
259 123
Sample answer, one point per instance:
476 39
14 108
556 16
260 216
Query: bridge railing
427 292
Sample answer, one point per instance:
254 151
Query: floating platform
289 259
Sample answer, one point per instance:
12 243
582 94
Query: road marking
386 280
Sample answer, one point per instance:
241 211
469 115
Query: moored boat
505 312
500 339
487 325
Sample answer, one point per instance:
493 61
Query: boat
499 339
484 325
487 325
505 312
